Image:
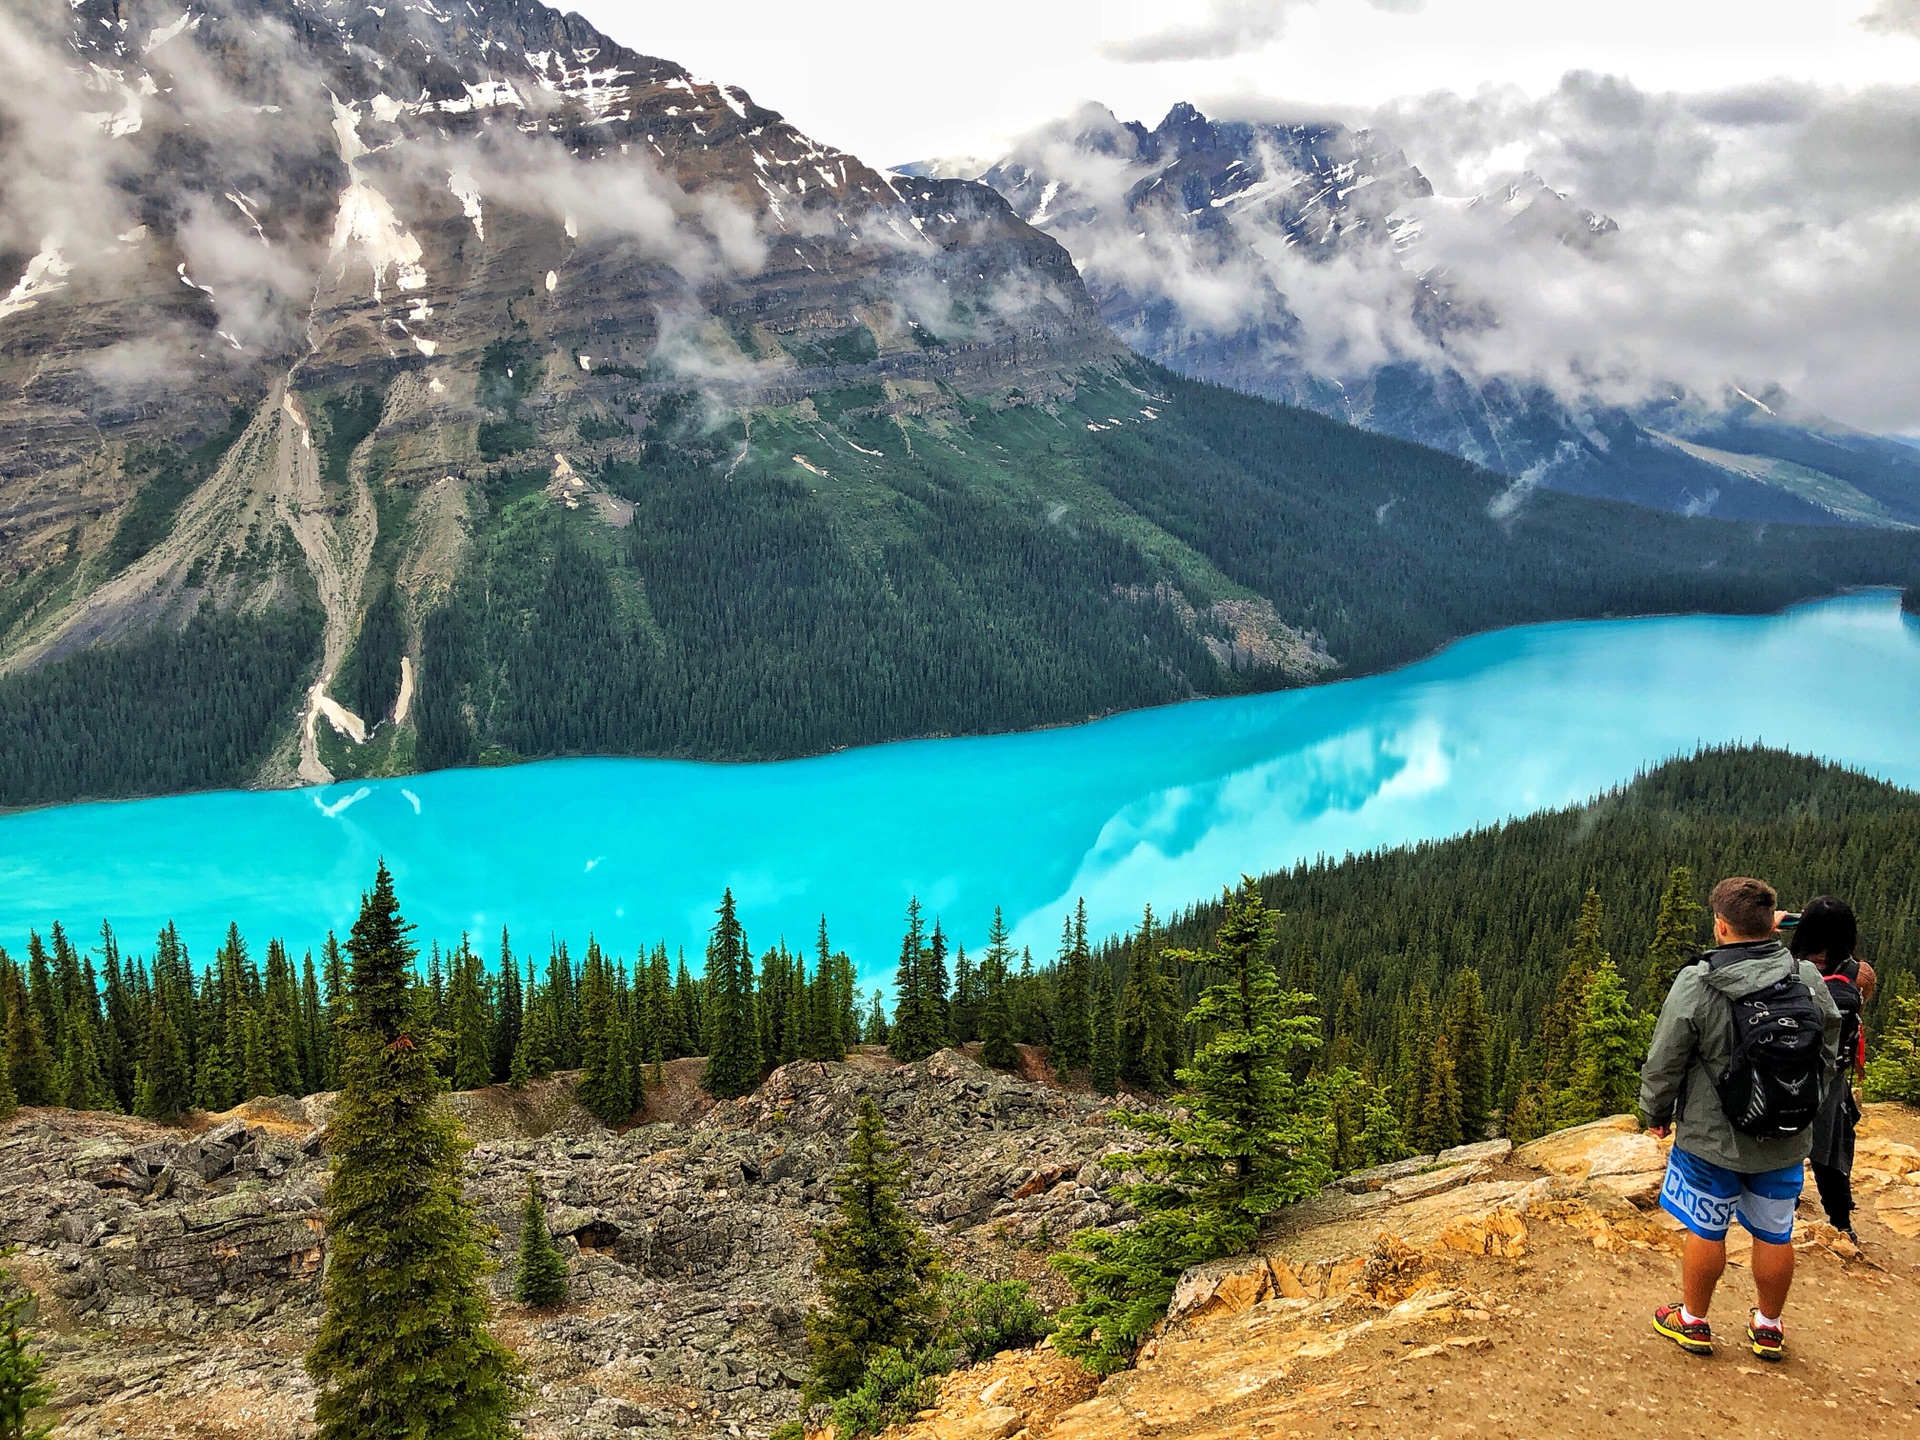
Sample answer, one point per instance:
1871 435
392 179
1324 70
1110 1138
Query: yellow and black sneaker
1695 1338
1767 1341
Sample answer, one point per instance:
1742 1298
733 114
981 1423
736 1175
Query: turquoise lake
1162 805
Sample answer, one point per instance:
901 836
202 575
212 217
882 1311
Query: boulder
1611 1154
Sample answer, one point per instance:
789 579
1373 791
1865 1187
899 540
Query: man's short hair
1747 905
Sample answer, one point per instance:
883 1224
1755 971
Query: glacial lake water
1162 805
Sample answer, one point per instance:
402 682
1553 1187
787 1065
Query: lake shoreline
1906 602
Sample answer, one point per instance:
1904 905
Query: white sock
1764 1322
1687 1317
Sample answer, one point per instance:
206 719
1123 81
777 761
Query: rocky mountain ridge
1296 261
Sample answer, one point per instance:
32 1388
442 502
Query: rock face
260 203
1295 261
193 1262
1366 1305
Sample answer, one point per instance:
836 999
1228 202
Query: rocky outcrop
1365 1306
192 1261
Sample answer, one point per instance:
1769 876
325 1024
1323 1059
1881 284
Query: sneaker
1695 1339
1767 1340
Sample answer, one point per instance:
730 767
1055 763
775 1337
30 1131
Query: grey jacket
1693 1046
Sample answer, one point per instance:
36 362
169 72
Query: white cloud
1894 17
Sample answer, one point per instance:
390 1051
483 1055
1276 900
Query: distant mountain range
1295 262
390 387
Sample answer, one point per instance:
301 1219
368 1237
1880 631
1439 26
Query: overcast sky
893 82
1762 157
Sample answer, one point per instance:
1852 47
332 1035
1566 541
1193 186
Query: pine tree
1612 1041
508 1014
166 1089
1147 1014
606 1088
1466 1027
879 1275
733 1043
313 1031
540 1277
1242 1145
1349 1014
1439 1123
334 972
1072 1023
27 1055
914 1034
79 1083
256 1075
472 1025
874 1030
1103 1062
9 1097
996 1009
1675 937
21 1390
403 1349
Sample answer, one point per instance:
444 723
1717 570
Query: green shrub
894 1389
996 1315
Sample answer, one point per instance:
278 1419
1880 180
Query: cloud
1894 17
1766 234
1231 27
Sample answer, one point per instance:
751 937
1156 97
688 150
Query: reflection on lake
1163 805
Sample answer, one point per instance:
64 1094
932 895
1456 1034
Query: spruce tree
606 1087
1242 1145
1612 1041
1439 1126
1147 1014
9 1098
403 1349
166 1089
1072 1044
1676 929
997 1046
508 1013
874 1030
1466 1026
912 1035
472 1025
27 1055
540 1276
879 1275
1103 1062
733 1043
78 1080
21 1389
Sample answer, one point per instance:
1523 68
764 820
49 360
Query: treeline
165 712
163 1036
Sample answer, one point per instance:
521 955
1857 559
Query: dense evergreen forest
1453 985
859 578
166 712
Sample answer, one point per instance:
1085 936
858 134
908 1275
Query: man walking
1747 1042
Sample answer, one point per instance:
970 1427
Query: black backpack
1844 986
1772 1089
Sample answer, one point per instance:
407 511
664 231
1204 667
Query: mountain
1299 262
406 386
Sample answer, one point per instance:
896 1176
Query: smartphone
1788 920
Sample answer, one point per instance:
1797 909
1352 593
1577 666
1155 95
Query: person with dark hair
1745 1048
1826 937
